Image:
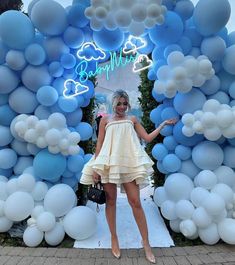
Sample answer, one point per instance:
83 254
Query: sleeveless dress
121 159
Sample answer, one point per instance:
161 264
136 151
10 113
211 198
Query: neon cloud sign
133 44
138 63
90 52
73 88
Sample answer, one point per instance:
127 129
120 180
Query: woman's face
121 106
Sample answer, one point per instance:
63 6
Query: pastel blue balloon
42 112
6 115
6 136
49 17
49 166
82 103
183 152
4 99
108 40
226 80
73 118
158 53
195 52
68 61
87 157
20 147
8 158
34 77
171 163
157 97
220 96
30 6
189 168
35 54
58 84
6 172
73 37
211 86
169 32
169 4
230 39
69 74
9 80
159 151
170 142
167 130
75 163
18 99
22 163
15 60
228 61
67 173
229 152
157 64
169 113
208 23
78 176
33 149
171 48
223 33
91 92
72 182
184 140
189 102
185 44
152 75
85 130
231 93
155 114
47 95
184 9
67 104
85 3
194 36
213 47
76 16
212 157
16 29
54 48
55 69
217 66
3 52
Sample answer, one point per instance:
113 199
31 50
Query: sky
230 24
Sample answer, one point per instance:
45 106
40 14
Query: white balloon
208 120
41 127
205 66
3 191
175 58
201 218
213 204
89 11
96 24
53 136
26 182
57 120
100 13
123 18
188 228
2 208
211 105
206 179
5 224
198 80
153 10
225 175
31 121
55 236
159 196
149 22
224 118
184 209
53 149
32 236
41 142
139 12
39 191
179 73
198 196
224 191
209 235
136 28
226 229
74 138
37 210
191 66
46 221
188 119
175 225
187 131
168 210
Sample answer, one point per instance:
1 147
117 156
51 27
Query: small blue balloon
73 37
47 95
67 104
6 115
75 163
8 158
171 163
159 151
171 48
15 60
183 152
35 54
184 9
85 130
6 136
68 61
185 44
76 16
73 118
22 163
194 36
9 80
170 143
211 86
55 69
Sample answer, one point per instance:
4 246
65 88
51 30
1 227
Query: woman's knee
110 199
134 203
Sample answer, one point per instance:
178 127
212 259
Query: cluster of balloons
130 16
213 121
51 133
182 73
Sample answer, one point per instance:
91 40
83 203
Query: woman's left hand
170 121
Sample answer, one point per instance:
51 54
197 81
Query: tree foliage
10 5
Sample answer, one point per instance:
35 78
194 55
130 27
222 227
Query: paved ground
219 254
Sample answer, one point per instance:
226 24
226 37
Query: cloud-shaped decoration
138 64
133 44
73 88
90 52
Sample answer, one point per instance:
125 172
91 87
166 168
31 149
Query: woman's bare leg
110 210
133 195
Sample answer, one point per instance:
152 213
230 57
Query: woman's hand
96 177
170 121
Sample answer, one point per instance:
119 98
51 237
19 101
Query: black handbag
96 193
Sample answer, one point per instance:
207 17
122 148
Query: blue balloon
87 157
20 147
226 80
170 142
6 115
171 48
49 17
16 29
169 113
230 39
171 163
3 52
183 152
47 95
75 163
155 114
159 151
15 60
108 40
42 112
185 44
55 69
157 97
208 23
221 96
73 118
68 61
189 168
161 168
73 37
158 54
6 136
35 54
228 60
6 172
152 75
169 32
231 92
4 99
184 9
195 52
72 182
49 166
22 163
211 86
8 158
67 104
76 16
85 130
9 80
194 36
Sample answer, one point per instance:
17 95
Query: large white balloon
209 235
46 221
188 228
56 235
201 218
226 229
184 209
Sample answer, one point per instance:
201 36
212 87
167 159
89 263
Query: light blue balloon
87 157
67 104
35 54
72 182
171 163
75 163
68 61
20 147
9 80
217 66
157 64
6 172
15 60
73 37
171 48
58 84
220 96
189 102
85 3
161 168
195 52
230 39
170 142
6 115
229 152
169 32
42 112
194 36
211 86
85 130
185 44
157 97
47 95
73 118
49 17
214 48
16 29
4 99
49 166
54 48
183 152
34 77
30 6
212 157
158 53
8 158
208 23
228 61
23 100
108 40
6 136
155 114
184 9
22 163
149 45
169 113
231 92
159 151
226 80
3 52
33 149
76 16
152 75
169 4
55 69
189 168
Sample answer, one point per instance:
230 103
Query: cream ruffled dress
121 159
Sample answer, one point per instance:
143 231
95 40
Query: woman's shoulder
133 119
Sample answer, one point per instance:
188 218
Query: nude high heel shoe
148 253
116 253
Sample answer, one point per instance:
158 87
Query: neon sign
133 44
73 88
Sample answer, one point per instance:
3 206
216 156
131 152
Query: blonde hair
117 95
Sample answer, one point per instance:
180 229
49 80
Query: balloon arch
46 60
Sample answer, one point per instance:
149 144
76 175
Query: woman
120 160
